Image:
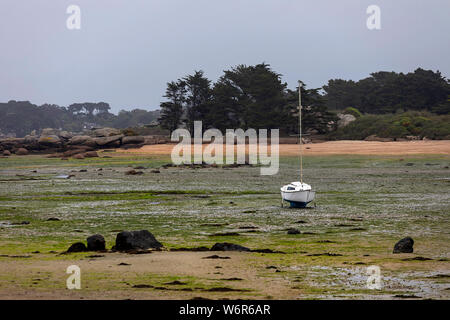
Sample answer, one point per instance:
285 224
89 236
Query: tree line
243 97
255 97
22 117
246 97
391 92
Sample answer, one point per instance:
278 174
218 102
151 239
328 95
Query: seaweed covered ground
365 204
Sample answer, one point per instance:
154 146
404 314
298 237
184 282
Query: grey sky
126 51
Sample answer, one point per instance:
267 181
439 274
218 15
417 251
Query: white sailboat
298 193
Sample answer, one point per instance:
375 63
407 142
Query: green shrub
353 111
422 124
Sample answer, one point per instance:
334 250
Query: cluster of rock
53 140
125 241
143 240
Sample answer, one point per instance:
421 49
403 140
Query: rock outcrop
105 132
345 120
77 247
404 246
96 242
67 144
225 246
132 240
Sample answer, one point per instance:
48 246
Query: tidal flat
364 205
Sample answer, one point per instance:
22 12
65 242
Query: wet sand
334 148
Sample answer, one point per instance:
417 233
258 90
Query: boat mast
300 128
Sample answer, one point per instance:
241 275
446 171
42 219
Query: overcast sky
126 51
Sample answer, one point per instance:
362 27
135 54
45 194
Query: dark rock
21 223
327 254
142 286
224 234
404 246
293 231
225 246
77 247
133 172
53 219
215 256
266 251
197 249
407 296
155 171
96 242
176 283
95 256
417 259
129 240
124 264
440 276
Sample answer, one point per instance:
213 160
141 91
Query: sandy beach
336 148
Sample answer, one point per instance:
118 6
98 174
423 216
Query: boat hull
298 199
